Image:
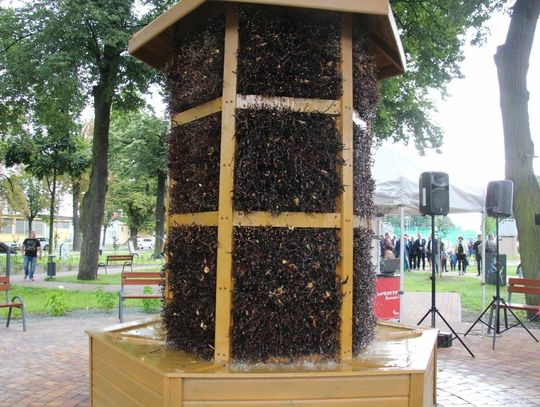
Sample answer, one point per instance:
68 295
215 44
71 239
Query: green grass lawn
469 288
36 298
102 279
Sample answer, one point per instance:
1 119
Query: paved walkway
48 365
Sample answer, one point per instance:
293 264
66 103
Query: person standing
477 246
461 253
420 244
388 244
32 249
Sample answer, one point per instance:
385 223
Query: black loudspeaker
434 193
537 218
499 198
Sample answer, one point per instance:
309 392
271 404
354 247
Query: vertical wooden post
167 293
226 182
345 268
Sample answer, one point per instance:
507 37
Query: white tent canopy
396 177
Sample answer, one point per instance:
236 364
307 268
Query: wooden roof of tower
152 44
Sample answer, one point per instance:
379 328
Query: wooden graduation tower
269 215
263 223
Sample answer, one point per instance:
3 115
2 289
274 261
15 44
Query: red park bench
15 302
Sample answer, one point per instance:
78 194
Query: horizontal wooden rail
196 112
326 106
296 104
258 219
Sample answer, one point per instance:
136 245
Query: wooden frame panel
345 204
326 106
290 388
226 183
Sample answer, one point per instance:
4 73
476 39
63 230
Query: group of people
417 251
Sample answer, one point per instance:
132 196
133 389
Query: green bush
149 305
106 299
56 304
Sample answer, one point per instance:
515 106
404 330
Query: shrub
149 305
105 299
56 303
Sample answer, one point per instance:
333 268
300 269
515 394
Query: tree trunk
159 230
512 60
93 203
30 221
76 197
133 236
52 189
104 237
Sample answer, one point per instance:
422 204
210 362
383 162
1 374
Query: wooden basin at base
130 366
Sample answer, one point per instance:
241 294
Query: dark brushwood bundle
189 317
363 290
364 101
363 182
365 92
289 52
195 74
286 294
193 161
286 161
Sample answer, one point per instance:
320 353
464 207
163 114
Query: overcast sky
473 150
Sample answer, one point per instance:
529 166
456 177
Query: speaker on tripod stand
499 202
434 199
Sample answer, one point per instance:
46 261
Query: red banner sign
387 298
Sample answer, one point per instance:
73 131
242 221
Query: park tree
138 145
134 199
91 37
433 34
42 136
512 61
35 199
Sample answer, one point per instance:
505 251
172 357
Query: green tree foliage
90 38
36 198
433 34
139 151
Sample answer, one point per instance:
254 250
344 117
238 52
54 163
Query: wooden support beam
288 219
345 267
381 47
296 104
224 281
201 219
197 112
167 293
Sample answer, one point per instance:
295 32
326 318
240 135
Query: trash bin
51 267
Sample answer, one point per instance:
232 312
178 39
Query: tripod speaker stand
433 310
498 303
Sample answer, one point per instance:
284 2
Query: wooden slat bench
15 302
138 278
125 259
522 286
